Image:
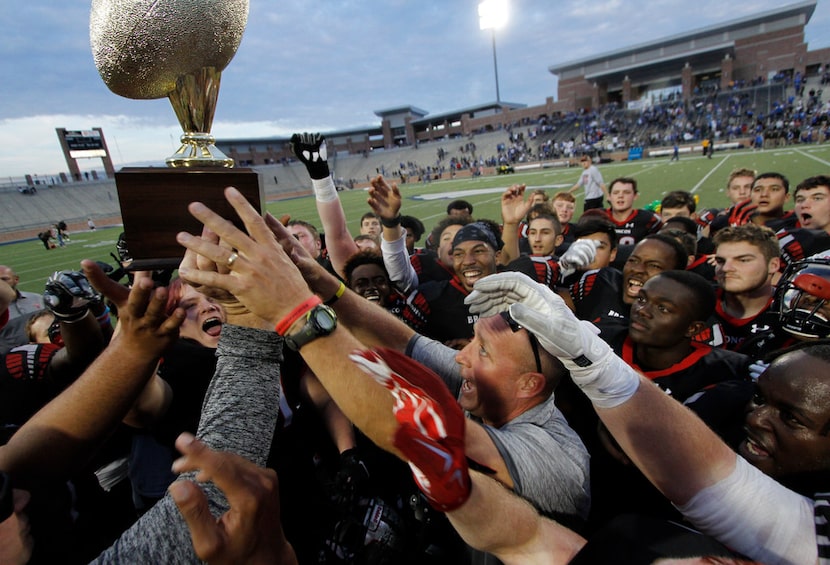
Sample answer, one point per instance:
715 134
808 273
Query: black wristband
393 223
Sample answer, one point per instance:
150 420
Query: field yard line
822 161
709 174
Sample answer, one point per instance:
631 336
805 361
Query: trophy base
154 208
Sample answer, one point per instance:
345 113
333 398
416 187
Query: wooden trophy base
154 207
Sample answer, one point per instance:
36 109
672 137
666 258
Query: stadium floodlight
492 15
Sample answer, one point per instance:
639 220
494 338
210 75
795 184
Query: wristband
324 189
285 324
340 292
393 223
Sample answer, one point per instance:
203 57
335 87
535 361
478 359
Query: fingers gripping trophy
175 49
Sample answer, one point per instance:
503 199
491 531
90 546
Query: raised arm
385 201
720 494
514 208
672 447
310 149
65 432
262 270
368 322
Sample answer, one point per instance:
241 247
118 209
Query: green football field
702 176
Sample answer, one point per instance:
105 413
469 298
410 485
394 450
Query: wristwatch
320 321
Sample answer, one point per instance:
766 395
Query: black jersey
429 268
597 296
636 226
729 332
542 269
704 367
799 243
436 309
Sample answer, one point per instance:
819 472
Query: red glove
431 430
742 213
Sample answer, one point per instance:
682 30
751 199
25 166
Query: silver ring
231 260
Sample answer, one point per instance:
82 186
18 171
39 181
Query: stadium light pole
492 15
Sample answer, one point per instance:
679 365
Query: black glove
68 295
310 148
350 478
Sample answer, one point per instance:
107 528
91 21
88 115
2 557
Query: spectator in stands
591 180
24 302
632 224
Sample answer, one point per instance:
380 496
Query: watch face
324 320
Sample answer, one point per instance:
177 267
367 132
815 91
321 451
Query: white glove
579 255
541 311
603 376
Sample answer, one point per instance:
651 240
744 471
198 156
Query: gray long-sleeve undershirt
239 415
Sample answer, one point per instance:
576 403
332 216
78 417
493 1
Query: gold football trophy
148 49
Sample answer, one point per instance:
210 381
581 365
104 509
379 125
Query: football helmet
803 298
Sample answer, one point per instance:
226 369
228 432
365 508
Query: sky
321 66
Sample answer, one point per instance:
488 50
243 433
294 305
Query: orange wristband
285 324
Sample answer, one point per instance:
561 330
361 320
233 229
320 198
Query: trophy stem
194 101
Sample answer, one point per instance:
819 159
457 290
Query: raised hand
384 198
310 149
514 207
259 272
68 295
579 255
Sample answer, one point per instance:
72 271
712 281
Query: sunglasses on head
534 343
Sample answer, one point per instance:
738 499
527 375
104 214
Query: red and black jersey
800 243
761 345
703 367
429 268
702 267
542 269
636 226
729 332
25 383
597 296
789 221
436 309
